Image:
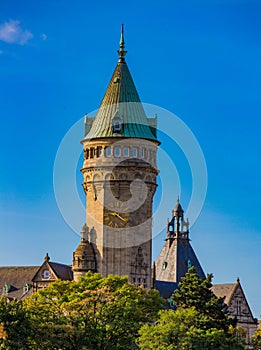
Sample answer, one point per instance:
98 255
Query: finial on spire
121 51
47 258
84 233
178 200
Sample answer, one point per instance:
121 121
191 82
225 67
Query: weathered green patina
121 113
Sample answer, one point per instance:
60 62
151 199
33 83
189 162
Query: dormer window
26 287
6 288
116 123
164 265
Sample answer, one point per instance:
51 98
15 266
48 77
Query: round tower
83 259
119 177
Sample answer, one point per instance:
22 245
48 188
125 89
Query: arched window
27 287
108 152
142 152
117 123
99 151
6 288
117 152
126 152
92 152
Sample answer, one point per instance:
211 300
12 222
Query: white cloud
11 32
44 36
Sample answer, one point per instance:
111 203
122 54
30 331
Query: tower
83 257
119 179
176 256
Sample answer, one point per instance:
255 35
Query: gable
236 301
45 274
239 307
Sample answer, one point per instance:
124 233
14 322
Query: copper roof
121 99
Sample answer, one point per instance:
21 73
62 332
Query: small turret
178 212
177 227
83 258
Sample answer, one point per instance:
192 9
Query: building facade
119 180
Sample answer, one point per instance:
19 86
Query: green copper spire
121 105
121 51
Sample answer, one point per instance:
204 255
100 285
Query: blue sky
198 59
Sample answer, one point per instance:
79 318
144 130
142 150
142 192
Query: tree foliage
196 292
99 313
199 322
256 340
184 329
15 326
94 313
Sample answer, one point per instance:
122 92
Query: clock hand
119 216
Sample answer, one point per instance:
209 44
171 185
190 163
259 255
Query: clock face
46 274
116 215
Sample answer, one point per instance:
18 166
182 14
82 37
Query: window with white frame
134 152
142 152
117 152
108 152
126 152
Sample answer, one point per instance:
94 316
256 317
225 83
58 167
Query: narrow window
99 151
164 265
92 152
134 152
108 151
126 152
116 124
238 307
117 152
141 152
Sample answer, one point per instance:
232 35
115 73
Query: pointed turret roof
121 101
176 256
178 211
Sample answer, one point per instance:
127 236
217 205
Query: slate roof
177 259
63 272
121 99
16 277
224 290
166 289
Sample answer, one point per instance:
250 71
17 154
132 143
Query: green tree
256 340
196 292
184 329
200 321
94 313
15 326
